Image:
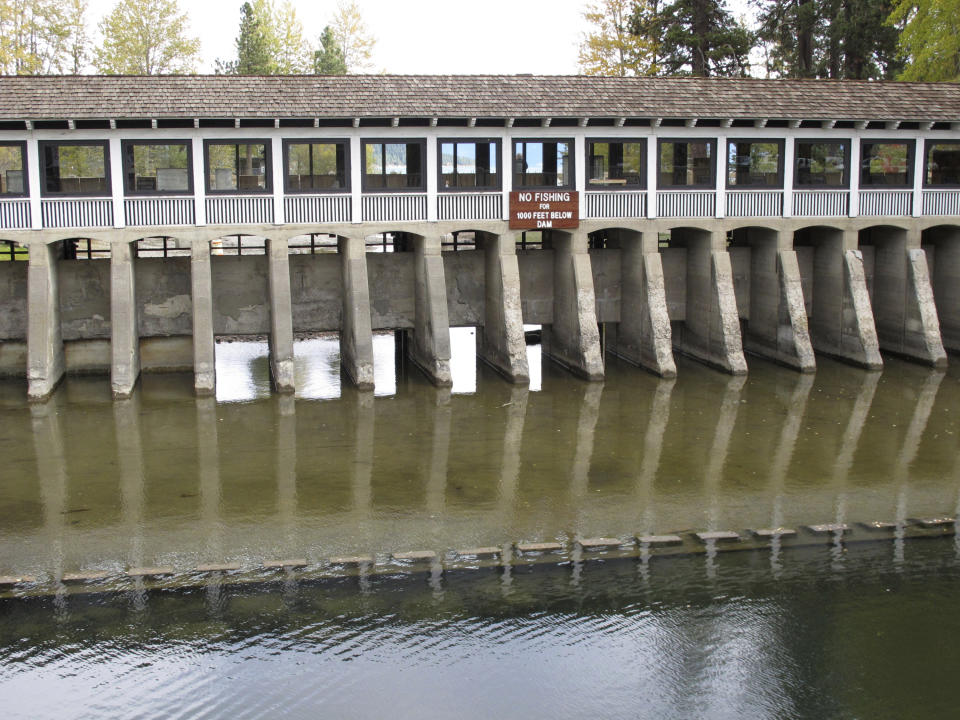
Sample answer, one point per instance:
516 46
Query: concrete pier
124 333
836 296
281 316
902 295
573 339
643 335
356 335
430 349
45 356
941 246
204 349
502 344
710 331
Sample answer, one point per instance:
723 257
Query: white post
919 173
431 171
789 161
276 162
199 183
580 171
651 177
32 161
855 176
721 176
506 172
356 175
116 182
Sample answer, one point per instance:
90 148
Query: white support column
789 161
721 177
276 161
854 177
919 172
116 182
199 183
33 181
580 171
652 177
431 179
506 172
356 175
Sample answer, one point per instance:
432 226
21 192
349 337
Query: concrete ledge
82 577
879 525
283 564
827 528
479 552
659 540
542 547
935 522
218 567
718 536
10 581
768 533
150 571
414 555
352 560
601 543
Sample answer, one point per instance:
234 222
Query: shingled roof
459 96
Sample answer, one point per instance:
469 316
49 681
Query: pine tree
701 37
328 59
257 45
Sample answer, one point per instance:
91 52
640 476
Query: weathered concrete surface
770 300
240 294
502 343
392 296
163 296
13 301
88 357
166 354
643 335
464 272
316 292
281 316
13 358
356 335
536 285
125 336
45 357
204 349
84 299
836 296
711 330
942 247
430 349
902 297
573 339
607 276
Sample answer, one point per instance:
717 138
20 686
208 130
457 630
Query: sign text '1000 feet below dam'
543 209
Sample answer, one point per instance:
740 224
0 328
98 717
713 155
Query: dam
143 218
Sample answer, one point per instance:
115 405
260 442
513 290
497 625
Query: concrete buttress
204 349
356 335
124 334
502 344
430 349
45 355
281 316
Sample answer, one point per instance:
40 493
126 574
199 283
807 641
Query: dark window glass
316 166
238 167
13 179
686 163
821 164
616 164
753 164
943 163
156 168
393 166
885 163
72 169
469 165
542 164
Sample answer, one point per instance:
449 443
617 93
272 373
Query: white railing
616 204
239 210
470 206
941 202
394 207
886 202
755 203
316 208
159 211
89 212
15 214
683 203
821 203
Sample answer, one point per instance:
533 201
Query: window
886 164
943 163
13 179
239 167
538 163
822 164
317 166
75 168
469 165
157 168
616 164
686 163
393 166
755 163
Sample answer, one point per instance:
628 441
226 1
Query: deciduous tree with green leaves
352 37
613 46
930 39
146 37
43 36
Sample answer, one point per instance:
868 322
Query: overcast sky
422 36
